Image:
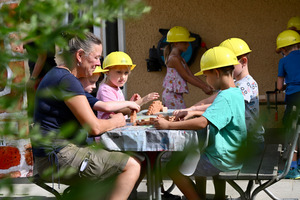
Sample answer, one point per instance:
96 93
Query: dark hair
228 70
244 55
290 47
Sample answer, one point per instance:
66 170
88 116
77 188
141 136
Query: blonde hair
167 51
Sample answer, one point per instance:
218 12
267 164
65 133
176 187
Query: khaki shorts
101 164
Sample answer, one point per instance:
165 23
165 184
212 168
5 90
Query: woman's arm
40 62
84 114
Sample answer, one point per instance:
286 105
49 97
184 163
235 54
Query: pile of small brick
155 107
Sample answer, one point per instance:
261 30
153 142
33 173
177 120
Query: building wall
258 22
16 154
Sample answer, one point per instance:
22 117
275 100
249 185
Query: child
294 24
289 72
178 72
249 88
118 65
89 84
226 117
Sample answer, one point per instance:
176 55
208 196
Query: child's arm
191 124
187 75
114 106
184 115
208 100
107 94
135 97
200 106
149 97
280 83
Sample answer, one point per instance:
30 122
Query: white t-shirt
249 88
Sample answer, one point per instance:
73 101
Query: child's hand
181 114
134 106
161 123
175 112
185 115
135 97
208 90
150 97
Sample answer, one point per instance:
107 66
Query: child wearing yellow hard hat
226 117
294 24
249 88
118 66
289 80
89 84
178 73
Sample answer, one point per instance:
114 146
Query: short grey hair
74 45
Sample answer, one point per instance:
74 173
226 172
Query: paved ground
285 188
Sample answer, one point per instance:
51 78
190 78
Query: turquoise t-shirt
227 128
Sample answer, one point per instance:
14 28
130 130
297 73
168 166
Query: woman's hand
161 123
118 119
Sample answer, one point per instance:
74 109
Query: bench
264 167
36 179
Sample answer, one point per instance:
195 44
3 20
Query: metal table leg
157 174
149 178
154 177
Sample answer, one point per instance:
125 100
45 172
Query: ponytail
167 51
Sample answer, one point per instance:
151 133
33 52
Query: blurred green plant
44 23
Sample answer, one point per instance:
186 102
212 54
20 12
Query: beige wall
258 22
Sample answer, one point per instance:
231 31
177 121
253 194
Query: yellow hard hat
99 70
216 57
287 38
237 46
179 34
117 58
294 22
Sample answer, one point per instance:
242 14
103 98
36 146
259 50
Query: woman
61 105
